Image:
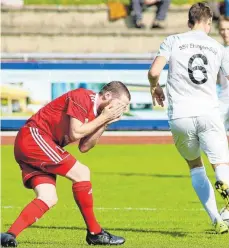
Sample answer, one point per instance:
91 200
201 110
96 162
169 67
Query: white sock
222 173
205 192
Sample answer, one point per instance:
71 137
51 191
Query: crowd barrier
29 81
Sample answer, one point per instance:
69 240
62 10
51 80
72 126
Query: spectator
215 6
162 9
219 8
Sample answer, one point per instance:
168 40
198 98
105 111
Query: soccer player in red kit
79 115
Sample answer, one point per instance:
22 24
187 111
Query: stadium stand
83 29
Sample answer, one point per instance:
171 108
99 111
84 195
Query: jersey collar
198 31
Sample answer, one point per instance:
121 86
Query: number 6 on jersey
191 69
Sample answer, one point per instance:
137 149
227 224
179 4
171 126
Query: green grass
85 2
146 176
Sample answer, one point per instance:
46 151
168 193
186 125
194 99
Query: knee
47 193
79 173
196 163
82 174
86 173
49 199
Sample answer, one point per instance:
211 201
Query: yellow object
221 227
10 96
223 189
117 10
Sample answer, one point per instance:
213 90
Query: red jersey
54 118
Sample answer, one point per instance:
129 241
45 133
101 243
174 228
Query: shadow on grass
142 174
211 232
170 233
129 174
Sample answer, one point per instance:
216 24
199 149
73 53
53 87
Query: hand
114 110
157 95
125 104
117 101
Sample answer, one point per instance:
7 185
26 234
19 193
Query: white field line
151 209
131 209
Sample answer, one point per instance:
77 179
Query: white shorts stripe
41 146
48 146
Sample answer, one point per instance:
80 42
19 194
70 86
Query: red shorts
40 156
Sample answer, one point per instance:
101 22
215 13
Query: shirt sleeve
165 49
225 62
77 106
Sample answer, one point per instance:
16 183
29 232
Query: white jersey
194 62
224 93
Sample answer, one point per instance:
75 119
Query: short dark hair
222 19
117 88
199 12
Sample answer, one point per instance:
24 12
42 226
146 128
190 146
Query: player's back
54 118
194 62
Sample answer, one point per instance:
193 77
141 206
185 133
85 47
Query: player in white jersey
224 92
194 61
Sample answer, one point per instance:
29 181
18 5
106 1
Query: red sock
30 214
82 192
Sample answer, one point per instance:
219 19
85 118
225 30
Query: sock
205 192
222 173
82 192
30 214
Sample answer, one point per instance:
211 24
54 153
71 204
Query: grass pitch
142 192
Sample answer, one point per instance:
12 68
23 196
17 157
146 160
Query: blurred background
52 46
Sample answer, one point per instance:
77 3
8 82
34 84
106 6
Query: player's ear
210 21
108 96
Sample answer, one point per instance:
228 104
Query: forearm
155 71
91 140
153 79
78 132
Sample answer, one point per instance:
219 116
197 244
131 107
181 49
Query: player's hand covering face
115 109
158 95
124 102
